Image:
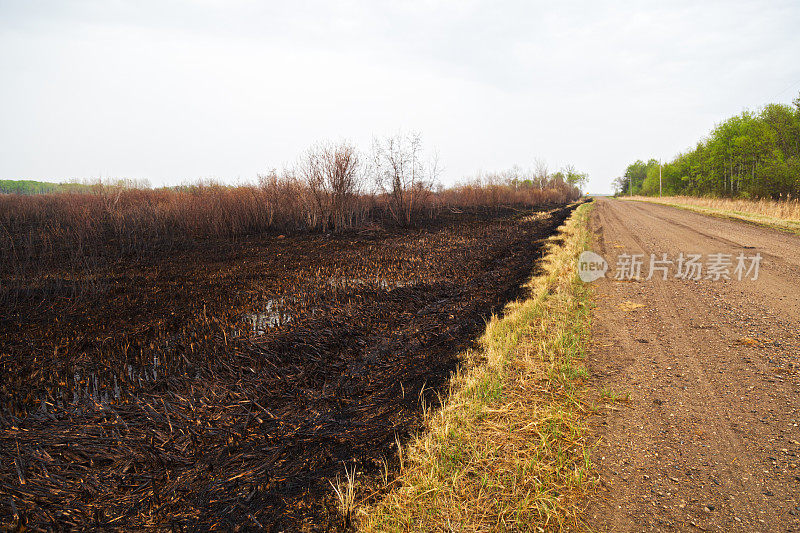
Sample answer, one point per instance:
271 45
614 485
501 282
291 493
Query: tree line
40 187
751 155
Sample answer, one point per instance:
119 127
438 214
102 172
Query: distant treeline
40 187
752 155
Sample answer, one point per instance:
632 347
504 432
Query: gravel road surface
709 440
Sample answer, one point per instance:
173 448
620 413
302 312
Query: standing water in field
273 315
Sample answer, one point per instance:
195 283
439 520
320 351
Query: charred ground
227 383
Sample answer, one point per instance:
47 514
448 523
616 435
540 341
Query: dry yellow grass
507 450
782 215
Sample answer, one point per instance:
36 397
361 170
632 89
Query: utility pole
659 178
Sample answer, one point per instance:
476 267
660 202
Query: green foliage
752 155
26 186
639 177
571 176
40 187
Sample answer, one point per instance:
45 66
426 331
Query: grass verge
508 449
784 215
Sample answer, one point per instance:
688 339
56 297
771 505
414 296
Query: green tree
750 155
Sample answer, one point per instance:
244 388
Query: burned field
225 384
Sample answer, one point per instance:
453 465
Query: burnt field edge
507 446
288 496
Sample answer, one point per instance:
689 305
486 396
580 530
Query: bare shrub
342 168
288 203
332 174
401 173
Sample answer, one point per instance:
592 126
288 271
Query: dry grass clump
346 495
507 450
783 214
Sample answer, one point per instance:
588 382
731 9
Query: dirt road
709 440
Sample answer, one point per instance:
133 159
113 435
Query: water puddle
273 315
92 389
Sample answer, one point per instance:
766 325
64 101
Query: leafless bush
402 174
333 176
541 174
287 202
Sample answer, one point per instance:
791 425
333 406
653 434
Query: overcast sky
174 90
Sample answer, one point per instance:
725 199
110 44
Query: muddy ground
225 384
709 440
